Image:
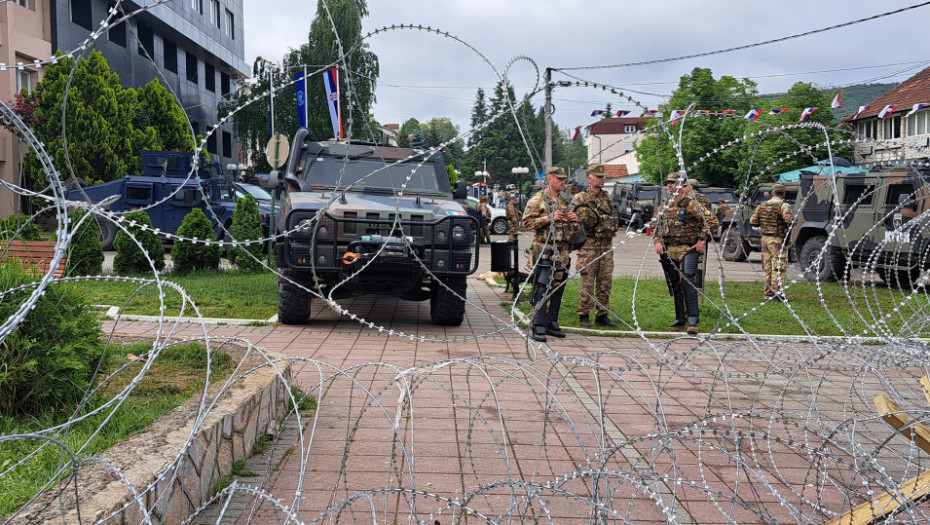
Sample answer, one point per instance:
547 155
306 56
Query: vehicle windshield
646 195
716 194
257 192
372 174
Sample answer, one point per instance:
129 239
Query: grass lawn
175 376
855 310
234 295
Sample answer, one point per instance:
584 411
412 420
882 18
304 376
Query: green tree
453 175
159 110
186 255
439 131
86 254
246 226
250 121
407 129
418 140
130 258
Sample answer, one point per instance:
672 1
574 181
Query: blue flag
301 86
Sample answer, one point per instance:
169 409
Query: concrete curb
113 313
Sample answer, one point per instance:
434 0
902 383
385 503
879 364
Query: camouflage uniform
549 257
597 216
773 218
680 226
722 210
484 215
513 220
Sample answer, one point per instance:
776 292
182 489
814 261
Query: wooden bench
35 255
910 492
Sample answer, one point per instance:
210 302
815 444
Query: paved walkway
475 424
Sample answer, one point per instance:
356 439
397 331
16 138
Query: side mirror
461 191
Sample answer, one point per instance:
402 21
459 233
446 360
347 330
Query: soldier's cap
673 177
556 172
598 170
778 187
694 182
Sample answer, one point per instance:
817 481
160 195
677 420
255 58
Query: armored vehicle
164 174
874 220
362 218
714 194
636 202
741 238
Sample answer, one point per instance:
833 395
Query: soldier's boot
539 322
604 320
680 321
584 321
691 304
555 304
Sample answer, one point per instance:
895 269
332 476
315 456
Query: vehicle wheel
734 248
636 223
447 305
107 233
831 265
293 301
499 227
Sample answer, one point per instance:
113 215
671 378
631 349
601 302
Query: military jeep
362 218
741 238
636 202
874 220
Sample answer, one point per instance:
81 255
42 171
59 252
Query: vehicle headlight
323 231
458 233
441 236
305 225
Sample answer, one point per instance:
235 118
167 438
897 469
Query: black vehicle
741 238
362 218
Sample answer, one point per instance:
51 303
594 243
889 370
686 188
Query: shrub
86 256
188 256
47 362
130 259
246 225
19 227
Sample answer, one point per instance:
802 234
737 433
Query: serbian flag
677 114
727 113
779 110
623 112
753 114
887 111
915 109
597 112
836 101
331 82
807 112
577 133
651 113
861 111
703 112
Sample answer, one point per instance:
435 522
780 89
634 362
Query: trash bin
501 260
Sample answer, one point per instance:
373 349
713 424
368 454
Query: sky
425 75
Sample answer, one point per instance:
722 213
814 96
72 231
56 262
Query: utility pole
548 112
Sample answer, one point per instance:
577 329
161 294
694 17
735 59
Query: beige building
25 36
612 142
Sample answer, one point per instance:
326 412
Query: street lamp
484 175
519 172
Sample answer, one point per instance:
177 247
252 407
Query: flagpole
306 106
271 97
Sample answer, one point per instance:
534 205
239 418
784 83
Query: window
146 40
230 25
917 124
171 56
211 143
196 127
896 191
117 33
630 128
215 12
81 13
25 3
891 128
197 6
139 193
856 191
209 77
192 67
227 144
868 128
23 80
224 83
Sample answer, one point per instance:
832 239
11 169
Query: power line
749 46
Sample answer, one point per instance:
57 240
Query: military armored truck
164 174
740 238
714 194
636 202
873 220
362 218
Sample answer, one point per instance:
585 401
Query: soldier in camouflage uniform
550 216
484 215
513 218
681 234
773 217
698 196
596 258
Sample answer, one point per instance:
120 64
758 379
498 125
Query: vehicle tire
293 301
831 263
500 227
733 246
636 223
447 305
107 233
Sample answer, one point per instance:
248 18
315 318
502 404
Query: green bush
10 228
86 256
47 362
130 259
246 225
188 256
